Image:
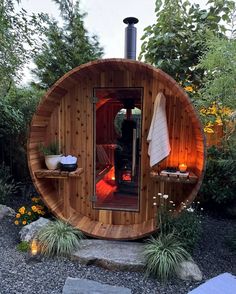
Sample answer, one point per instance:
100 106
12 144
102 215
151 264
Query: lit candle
182 167
34 247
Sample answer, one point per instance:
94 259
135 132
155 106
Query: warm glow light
34 247
182 167
126 176
113 178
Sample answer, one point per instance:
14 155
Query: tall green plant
219 65
18 42
177 39
65 47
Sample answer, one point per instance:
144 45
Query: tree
17 40
65 47
178 39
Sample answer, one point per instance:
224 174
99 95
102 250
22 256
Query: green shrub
186 226
23 246
219 184
163 255
59 238
7 184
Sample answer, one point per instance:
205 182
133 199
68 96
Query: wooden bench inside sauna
102 113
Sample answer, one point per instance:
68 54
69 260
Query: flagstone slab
84 286
222 284
113 255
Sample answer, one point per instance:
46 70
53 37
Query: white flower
154 203
201 208
154 197
190 209
173 204
171 201
159 194
165 196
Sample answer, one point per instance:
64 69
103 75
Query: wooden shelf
172 177
58 174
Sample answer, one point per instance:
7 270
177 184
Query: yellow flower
29 213
24 222
39 211
208 130
35 199
18 215
34 208
16 222
22 210
189 89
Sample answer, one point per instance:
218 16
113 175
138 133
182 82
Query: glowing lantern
34 247
126 176
182 167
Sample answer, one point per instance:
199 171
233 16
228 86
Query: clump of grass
59 238
163 254
23 246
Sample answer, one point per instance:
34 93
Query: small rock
28 232
84 286
6 211
188 271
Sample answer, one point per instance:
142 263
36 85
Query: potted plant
51 154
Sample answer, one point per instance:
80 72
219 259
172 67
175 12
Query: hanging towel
158 137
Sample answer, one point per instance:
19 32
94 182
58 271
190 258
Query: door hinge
93 198
94 99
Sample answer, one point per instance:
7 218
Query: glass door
117 124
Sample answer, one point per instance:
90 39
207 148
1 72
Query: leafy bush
185 225
7 184
59 238
163 255
187 228
219 183
28 214
23 246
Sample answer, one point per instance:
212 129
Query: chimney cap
130 20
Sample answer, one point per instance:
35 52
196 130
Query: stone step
84 286
222 284
112 255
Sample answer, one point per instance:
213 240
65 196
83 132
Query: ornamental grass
163 254
59 238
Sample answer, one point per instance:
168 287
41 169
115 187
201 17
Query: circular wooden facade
66 115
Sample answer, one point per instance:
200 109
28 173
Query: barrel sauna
93 111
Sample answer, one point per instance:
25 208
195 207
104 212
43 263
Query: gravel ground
18 275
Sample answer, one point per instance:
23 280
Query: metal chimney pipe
130 37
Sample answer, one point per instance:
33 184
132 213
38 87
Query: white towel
158 137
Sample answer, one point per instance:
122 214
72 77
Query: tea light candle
182 167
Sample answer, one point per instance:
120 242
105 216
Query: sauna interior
101 113
117 144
